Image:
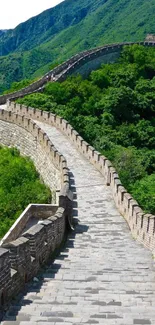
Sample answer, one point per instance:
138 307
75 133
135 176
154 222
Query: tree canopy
20 185
114 110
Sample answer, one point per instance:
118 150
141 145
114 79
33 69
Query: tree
144 192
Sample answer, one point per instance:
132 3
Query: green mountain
3 31
72 26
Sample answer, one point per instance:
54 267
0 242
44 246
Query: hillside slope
114 111
46 25
70 27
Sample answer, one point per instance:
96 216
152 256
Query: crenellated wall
73 65
142 225
22 258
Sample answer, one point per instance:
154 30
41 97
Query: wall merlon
52 219
132 205
120 198
85 146
66 179
52 118
34 230
113 172
137 210
37 240
64 163
59 157
74 136
121 190
58 121
152 225
91 151
97 156
79 141
64 125
19 242
4 257
117 183
46 223
46 115
108 163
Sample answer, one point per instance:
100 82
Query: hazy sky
13 12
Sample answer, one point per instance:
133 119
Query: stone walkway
102 276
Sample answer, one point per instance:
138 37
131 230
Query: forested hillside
114 110
19 186
70 27
2 32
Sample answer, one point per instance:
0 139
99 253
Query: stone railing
21 259
142 225
67 68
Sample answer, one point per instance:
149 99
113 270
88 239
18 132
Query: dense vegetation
72 26
19 186
15 86
114 110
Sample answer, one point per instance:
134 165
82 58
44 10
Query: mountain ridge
72 27
50 26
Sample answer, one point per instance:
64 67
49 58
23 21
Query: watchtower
150 38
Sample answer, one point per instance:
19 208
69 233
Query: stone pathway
102 276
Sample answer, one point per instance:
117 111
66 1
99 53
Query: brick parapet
21 259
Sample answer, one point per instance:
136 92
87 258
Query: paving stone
142 321
102 276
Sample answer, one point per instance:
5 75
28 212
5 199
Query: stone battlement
21 259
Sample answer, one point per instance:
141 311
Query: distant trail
102 276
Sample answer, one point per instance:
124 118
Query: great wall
101 269
73 65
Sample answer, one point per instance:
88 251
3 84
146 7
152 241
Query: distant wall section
86 68
72 66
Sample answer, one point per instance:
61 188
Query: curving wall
21 259
142 225
72 66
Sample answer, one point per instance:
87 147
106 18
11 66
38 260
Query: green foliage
19 186
114 111
71 27
143 190
18 85
129 165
